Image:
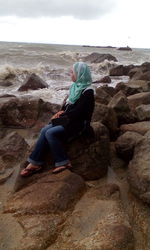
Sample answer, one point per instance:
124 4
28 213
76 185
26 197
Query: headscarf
83 80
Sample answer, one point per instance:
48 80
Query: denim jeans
50 139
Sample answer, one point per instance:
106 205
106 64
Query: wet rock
107 116
102 96
109 90
126 143
139 127
145 76
99 222
139 171
90 157
105 79
55 193
145 85
120 70
120 105
33 82
12 149
138 99
6 84
5 175
6 96
98 58
143 112
39 230
128 89
25 112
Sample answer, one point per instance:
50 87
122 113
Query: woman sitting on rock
74 116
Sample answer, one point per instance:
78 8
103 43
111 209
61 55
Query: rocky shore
103 204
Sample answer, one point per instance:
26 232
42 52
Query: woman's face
72 75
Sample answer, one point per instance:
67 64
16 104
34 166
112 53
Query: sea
52 63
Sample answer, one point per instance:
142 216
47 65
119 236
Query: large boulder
5 84
120 70
97 222
33 82
126 143
55 193
142 76
139 170
143 112
138 99
98 58
102 96
144 85
12 148
25 112
107 116
128 89
105 79
120 105
139 127
89 157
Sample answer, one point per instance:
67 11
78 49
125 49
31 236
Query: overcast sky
91 22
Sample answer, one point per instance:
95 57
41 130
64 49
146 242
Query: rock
120 70
102 96
120 105
126 143
116 162
139 171
139 127
12 149
4 176
138 99
97 222
6 96
98 58
139 83
143 112
119 102
125 48
133 71
90 158
109 90
39 230
55 193
128 89
25 111
105 79
33 82
107 116
145 76
145 66
6 84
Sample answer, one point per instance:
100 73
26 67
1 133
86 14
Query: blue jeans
50 139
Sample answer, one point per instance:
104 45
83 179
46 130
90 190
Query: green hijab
83 80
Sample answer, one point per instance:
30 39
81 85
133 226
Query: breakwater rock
103 203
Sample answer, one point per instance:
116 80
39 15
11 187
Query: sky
81 22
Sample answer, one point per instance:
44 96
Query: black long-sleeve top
79 112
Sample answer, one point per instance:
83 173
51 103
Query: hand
57 115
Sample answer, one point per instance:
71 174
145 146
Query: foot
30 169
61 168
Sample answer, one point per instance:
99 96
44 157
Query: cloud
80 9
